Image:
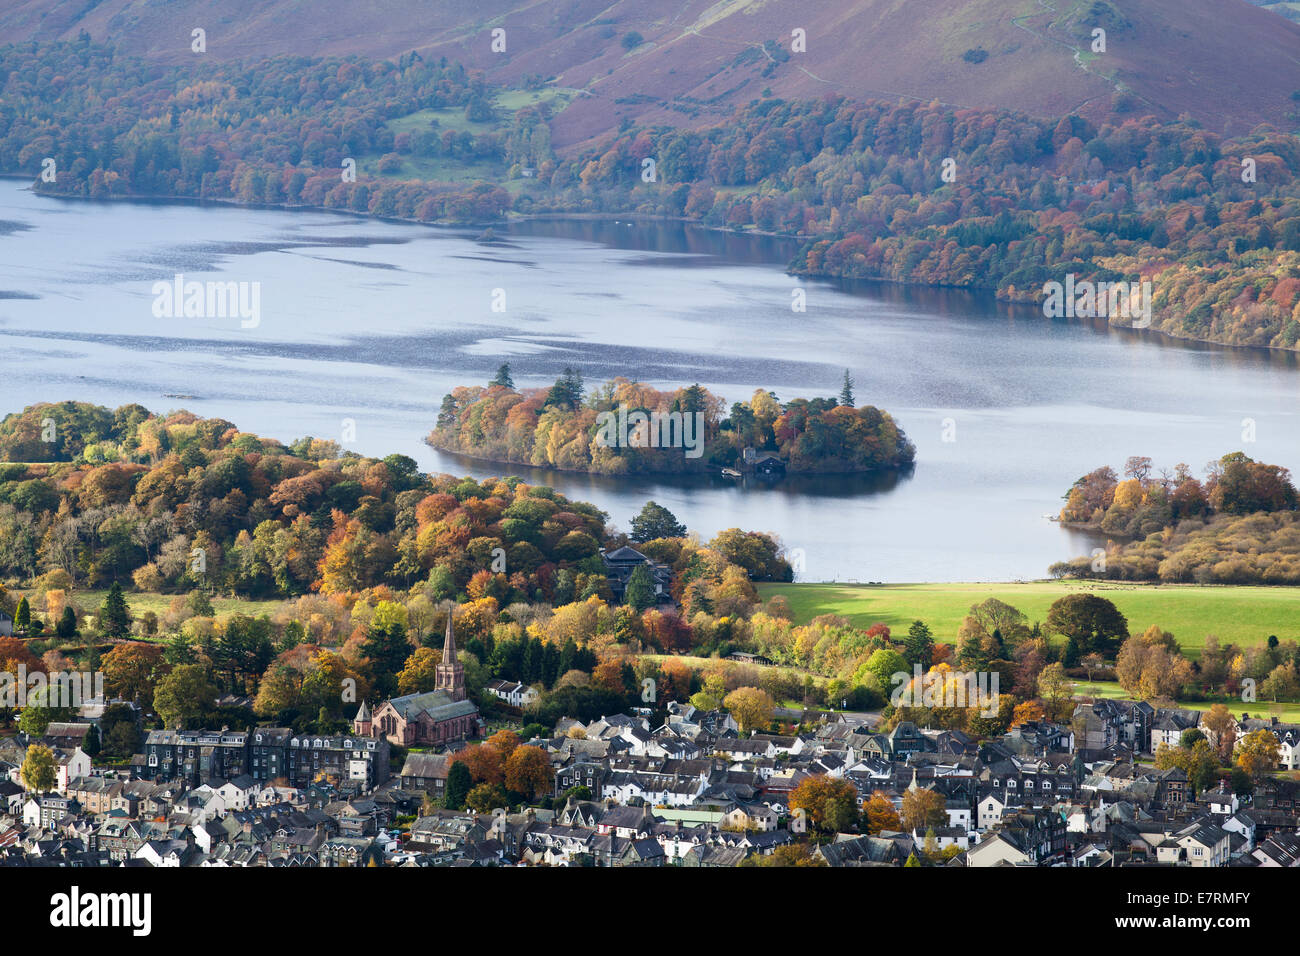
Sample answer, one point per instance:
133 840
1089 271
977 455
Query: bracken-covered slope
1229 64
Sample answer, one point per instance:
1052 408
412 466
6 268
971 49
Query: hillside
697 60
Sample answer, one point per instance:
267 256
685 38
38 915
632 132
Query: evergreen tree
846 393
918 646
114 615
640 591
656 521
503 377
388 650
459 783
67 626
23 616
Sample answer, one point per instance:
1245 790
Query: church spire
449 643
450 673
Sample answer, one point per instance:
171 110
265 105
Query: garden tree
878 814
184 696
114 615
1257 754
912 861
1189 737
923 809
640 592
1056 689
992 725
67 626
92 744
655 521
485 764
39 711
793 854
1198 761
751 707
1221 726
528 771
39 772
23 616
1094 623
1091 663
918 646
459 784
1030 710
119 731
131 671
831 803
505 742
486 797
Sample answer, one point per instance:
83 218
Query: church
438 717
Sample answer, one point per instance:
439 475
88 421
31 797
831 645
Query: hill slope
1228 63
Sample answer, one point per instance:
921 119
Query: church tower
450 674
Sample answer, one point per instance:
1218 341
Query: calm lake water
374 322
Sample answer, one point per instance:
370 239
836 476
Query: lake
365 325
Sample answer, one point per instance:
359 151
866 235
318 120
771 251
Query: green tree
114 615
846 391
656 521
459 784
503 377
67 626
918 646
640 592
184 696
23 616
1094 622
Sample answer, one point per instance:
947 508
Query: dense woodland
1028 200
1238 526
560 427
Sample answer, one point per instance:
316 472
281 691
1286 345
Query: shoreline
1153 334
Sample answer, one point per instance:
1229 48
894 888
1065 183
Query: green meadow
1240 615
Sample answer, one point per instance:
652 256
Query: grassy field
90 600
1241 615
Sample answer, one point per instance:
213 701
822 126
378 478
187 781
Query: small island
625 427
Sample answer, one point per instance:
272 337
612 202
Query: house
513 693
1170 723
6 625
427 772
621 562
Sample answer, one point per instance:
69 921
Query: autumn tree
528 771
39 771
879 814
831 804
923 809
751 707
1257 753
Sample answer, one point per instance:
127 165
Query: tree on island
846 392
567 391
656 521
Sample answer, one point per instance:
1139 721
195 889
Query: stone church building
440 716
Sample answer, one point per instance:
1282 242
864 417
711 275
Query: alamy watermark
638 429
179 299
957 689
70 689
1071 299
